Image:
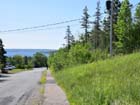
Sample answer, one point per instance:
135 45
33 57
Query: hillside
114 81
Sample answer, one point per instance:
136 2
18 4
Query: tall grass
110 82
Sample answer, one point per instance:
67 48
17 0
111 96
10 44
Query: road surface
16 89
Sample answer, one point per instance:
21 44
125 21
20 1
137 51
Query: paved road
15 89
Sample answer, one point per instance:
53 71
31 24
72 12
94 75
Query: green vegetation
43 82
78 54
84 68
2 56
38 60
18 70
43 77
93 44
113 81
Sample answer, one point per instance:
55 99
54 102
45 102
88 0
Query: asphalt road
15 89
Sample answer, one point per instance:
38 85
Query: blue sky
27 13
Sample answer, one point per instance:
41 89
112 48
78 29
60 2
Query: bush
18 61
77 54
99 55
59 60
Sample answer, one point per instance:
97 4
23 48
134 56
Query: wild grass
43 82
17 70
43 77
114 81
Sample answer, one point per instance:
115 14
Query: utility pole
109 6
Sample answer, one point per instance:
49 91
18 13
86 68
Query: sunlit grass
17 70
43 77
43 82
114 81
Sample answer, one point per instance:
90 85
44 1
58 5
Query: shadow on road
2 80
4 76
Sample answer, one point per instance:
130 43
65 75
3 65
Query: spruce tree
96 37
2 56
136 29
69 38
123 28
85 23
106 29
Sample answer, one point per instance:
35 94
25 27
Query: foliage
39 60
59 60
78 54
85 23
43 77
69 38
135 42
109 82
16 71
123 28
95 35
18 61
2 56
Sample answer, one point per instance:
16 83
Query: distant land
28 52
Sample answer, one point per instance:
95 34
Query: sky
28 13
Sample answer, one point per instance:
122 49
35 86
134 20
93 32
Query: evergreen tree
69 38
85 22
136 29
123 28
2 56
96 37
106 29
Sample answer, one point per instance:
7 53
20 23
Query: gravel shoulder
54 95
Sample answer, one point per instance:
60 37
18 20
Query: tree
136 29
69 38
2 56
85 23
39 60
96 37
18 61
106 29
123 28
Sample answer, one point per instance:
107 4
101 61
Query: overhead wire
39 27
45 27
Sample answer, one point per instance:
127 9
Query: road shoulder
54 95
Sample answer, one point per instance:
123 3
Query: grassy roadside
18 70
114 81
43 82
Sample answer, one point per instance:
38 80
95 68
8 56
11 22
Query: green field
114 81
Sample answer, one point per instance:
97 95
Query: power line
44 29
39 27
42 26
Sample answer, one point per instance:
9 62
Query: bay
27 52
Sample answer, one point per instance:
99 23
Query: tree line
22 62
93 44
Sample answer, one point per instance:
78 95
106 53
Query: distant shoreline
27 52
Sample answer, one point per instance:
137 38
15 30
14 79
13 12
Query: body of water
27 52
